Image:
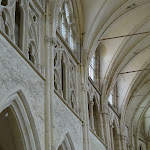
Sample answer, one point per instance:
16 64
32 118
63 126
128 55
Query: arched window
66 25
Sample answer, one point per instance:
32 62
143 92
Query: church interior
74 75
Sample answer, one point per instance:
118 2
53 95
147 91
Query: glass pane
70 39
67 12
92 68
63 28
110 98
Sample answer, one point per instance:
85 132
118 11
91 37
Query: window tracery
65 76
94 68
66 25
21 22
64 63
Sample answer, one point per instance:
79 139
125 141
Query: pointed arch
66 143
17 101
67 24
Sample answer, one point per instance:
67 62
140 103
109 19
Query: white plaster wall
95 143
66 122
15 74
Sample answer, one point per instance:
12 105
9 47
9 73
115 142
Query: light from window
67 12
92 67
63 28
70 39
110 98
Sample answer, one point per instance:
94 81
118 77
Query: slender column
49 84
112 137
107 130
86 145
118 142
91 115
124 142
101 127
2 26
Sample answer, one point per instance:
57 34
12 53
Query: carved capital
52 40
91 103
131 147
85 87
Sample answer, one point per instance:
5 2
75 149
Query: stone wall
96 144
16 74
66 122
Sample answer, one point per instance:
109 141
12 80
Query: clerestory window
66 25
110 98
92 68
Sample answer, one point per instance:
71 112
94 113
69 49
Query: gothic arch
66 143
33 53
17 101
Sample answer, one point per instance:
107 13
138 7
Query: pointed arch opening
67 143
16 115
11 137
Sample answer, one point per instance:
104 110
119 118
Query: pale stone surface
95 143
66 122
16 74
45 33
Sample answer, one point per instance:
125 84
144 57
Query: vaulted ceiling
105 19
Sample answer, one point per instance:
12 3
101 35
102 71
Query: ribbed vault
126 60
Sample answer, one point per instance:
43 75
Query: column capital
51 39
84 87
131 147
104 113
91 103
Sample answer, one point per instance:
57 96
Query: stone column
107 130
101 127
112 137
91 115
49 74
118 142
124 142
86 143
